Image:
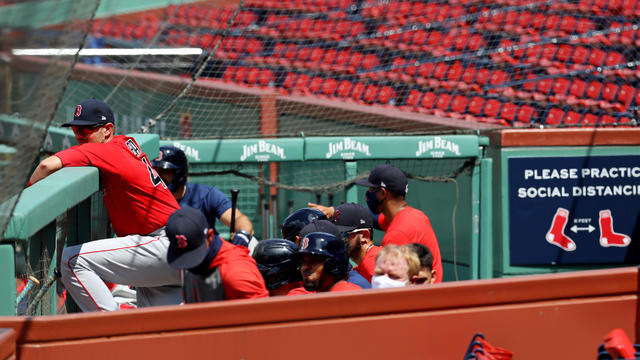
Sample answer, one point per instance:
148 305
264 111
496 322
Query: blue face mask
372 201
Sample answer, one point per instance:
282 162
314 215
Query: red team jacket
412 225
340 286
239 272
137 200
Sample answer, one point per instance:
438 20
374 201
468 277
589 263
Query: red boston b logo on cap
78 110
182 241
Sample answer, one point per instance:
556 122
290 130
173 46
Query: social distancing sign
573 210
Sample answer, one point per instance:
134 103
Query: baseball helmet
298 219
329 246
276 262
173 158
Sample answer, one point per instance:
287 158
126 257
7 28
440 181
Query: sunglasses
84 130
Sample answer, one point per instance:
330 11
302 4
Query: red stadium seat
526 113
397 68
594 90
476 105
354 62
428 102
252 75
289 81
241 72
341 61
590 118
492 109
357 91
568 25
508 112
301 57
578 88
329 87
564 53
315 57
370 62
459 104
610 92
412 100
302 83
265 78
561 88
581 55
386 94
554 116
328 59
625 96
315 86
228 74
597 57
608 119
572 117
370 93
344 89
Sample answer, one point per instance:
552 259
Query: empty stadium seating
509 62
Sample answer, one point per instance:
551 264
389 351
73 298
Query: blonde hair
395 251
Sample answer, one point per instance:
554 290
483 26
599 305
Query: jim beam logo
347 149
262 151
190 151
437 146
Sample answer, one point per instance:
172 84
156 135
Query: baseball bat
27 288
234 205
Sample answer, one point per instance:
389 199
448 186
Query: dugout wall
580 185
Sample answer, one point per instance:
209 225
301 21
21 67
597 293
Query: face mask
372 202
385 282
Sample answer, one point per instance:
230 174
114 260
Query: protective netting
33 98
336 67
287 186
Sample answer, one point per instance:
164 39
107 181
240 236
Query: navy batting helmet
298 219
276 262
173 158
329 246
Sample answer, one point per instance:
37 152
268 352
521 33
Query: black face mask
372 201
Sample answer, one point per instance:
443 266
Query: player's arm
242 221
46 167
327 210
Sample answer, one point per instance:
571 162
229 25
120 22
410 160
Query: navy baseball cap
388 177
187 231
91 112
348 217
324 226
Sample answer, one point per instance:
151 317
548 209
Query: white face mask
384 281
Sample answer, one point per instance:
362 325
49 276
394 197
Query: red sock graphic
607 236
556 234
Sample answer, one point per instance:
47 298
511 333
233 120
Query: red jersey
411 225
239 272
340 286
368 265
344 286
299 291
137 200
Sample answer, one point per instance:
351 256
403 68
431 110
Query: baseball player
356 221
327 226
138 203
278 265
172 166
212 269
298 219
325 264
402 223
